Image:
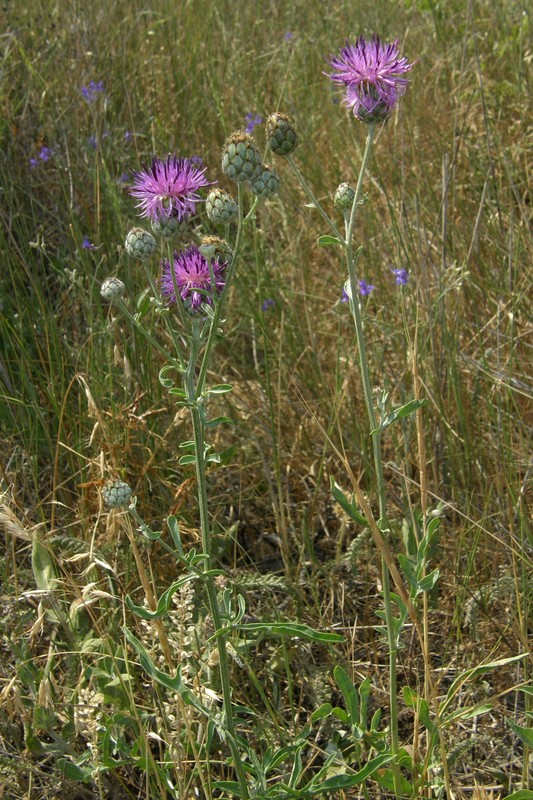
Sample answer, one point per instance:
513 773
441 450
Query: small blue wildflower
365 288
344 296
288 36
44 154
402 276
268 303
33 162
91 92
197 161
128 136
251 121
87 244
124 178
92 141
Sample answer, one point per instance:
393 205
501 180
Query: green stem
191 388
355 308
220 302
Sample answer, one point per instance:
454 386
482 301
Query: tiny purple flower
92 90
191 274
92 141
87 244
268 303
128 136
44 154
197 161
365 288
124 178
372 75
168 188
251 121
33 162
288 36
402 276
344 296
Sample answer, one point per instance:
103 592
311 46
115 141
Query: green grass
449 197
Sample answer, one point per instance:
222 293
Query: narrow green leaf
522 794
524 734
189 459
163 603
220 388
212 423
399 413
291 629
347 505
349 692
43 565
324 241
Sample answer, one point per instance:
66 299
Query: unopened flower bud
266 184
241 160
281 134
221 207
112 289
116 494
343 197
140 244
169 226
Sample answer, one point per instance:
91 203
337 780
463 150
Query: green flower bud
169 226
112 289
213 247
221 207
241 160
281 134
266 184
116 494
140 244
343 197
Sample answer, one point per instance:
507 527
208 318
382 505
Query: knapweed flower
251 121
191 275
401 275
365 288
373 75
168 188
92 90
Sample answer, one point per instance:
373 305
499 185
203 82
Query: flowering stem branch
219 304
192 390
355 308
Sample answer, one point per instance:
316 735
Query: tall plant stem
191 388
351 259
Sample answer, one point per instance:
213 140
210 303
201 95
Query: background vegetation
449 198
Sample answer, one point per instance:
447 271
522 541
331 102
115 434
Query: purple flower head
372 74
168 188
268 303
402 276
365 288
191 275
288 36
345 297
251 121
44 154
92 90
33 162
87 244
